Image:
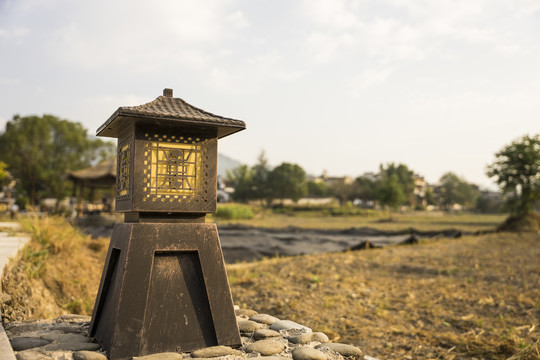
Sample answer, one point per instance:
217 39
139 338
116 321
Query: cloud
14 32
220 79
335 14
238 20
137 35
370 78
412 30
9 81
323 46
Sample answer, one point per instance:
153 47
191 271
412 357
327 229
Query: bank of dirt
459 298
57 272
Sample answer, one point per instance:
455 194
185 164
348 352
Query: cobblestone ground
263 335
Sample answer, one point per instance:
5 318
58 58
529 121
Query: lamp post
164 287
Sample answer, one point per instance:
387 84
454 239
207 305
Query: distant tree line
395 185
260 182
38 151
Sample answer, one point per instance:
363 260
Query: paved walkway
10 242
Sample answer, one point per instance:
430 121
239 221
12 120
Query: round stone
342 349
308 353
73 318
68 329
215 351
264 319
32 355
25 343
90 355
320 337
266 347
72 346
159 356
65 338
18 328
265 333
248 326
302 338
245 312
288 325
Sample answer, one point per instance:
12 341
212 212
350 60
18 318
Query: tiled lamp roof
168 110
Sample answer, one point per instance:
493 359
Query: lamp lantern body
166 170
164 286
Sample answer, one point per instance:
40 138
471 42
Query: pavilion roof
104 170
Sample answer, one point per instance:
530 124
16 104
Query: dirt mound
521 223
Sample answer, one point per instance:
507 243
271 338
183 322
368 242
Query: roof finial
168 92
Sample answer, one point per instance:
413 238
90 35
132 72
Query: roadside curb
6 351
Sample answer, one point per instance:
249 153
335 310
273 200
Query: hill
225 164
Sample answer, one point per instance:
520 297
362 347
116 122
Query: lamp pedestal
164 289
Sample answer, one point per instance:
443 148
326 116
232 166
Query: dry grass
475 297
425 221
57 272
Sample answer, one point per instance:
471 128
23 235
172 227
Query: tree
241 179
287 181
343 190
364 189
516 170
260 171
395 182
455 190
317 189
429 196
3 172
39 150
390 192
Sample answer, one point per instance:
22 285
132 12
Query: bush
350 211
521 223
234 212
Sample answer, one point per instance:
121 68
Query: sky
335 85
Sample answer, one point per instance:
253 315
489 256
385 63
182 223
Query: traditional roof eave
167 110
105 169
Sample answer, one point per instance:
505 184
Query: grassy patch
349 218
234 212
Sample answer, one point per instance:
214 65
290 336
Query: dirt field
474 297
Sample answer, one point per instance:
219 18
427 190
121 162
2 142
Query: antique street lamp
164 287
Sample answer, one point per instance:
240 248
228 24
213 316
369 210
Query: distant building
333 180
420 188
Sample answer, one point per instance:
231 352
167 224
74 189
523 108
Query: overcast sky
327 84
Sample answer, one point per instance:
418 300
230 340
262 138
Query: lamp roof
168 110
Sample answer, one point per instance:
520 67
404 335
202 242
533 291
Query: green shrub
347 211
234 212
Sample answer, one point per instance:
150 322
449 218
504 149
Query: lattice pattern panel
175 169
123 170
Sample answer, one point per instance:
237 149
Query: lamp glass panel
175 168
123 171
